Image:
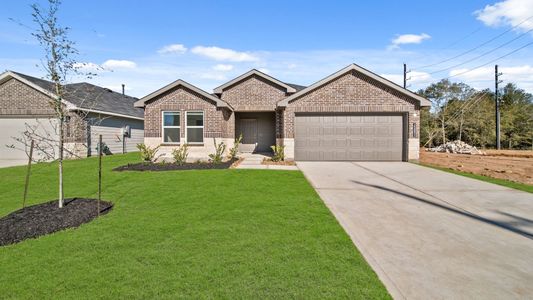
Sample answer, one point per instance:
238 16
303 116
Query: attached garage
14 128
349 137
351 115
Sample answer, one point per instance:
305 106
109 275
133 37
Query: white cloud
508 12
408 39
222 67
174 48
112 64
413 78
483 78
211 76
264 70
222 54
87 66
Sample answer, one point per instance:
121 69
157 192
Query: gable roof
353 67
289 88
179 82
84 96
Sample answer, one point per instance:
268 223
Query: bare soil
513 165
41 219
268 161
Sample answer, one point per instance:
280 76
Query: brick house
91 111
352 114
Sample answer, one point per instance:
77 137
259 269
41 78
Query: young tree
58 63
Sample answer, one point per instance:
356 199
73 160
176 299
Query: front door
248 129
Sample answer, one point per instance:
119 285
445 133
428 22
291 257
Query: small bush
147 153
233 151
279 152
180 154
217 157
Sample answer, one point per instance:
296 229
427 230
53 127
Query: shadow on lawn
510 226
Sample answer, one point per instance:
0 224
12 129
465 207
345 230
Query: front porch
258 131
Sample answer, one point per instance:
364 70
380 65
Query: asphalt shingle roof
90 96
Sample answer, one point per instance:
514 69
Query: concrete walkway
253 161
429 234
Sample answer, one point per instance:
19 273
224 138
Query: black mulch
33 221
146 166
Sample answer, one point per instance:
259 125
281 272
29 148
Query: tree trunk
443 131
61 115
61 194
461 127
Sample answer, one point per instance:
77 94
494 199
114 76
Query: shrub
279 152
147 153
180 154
216 157
233 151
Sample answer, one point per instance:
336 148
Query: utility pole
497 105
404 76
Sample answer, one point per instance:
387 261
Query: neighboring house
92 110
352 114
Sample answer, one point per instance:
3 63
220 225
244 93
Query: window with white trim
171 127
195 127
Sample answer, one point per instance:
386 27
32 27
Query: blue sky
148 44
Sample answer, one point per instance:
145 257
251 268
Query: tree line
460 112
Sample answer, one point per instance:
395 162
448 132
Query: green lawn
184 234
510 184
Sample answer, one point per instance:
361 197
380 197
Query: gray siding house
92 110
353 114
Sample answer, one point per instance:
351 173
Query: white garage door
15 127
348 137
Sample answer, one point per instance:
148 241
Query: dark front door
248 128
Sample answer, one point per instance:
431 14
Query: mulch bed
146 166
33 221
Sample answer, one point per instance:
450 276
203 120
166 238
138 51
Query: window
195 127
415 133
171 127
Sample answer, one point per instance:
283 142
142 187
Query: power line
482 55
489 62
476 47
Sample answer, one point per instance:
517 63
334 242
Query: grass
507 183
230 234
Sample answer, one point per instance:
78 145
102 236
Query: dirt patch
509 166
268 161
173 167
41 219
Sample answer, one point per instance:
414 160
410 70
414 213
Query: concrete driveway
4 163
429 234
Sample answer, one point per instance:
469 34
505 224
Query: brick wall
17 98
182 99
352 92
253 94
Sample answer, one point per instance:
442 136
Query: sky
149 44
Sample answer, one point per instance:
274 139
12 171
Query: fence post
99 173
27 183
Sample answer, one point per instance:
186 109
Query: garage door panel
357 137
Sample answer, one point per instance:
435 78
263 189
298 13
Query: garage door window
195 127
171 127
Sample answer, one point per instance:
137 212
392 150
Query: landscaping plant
279 152
147 153
180 154
233 151
217 157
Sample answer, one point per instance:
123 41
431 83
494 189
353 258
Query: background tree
441 94
516 117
